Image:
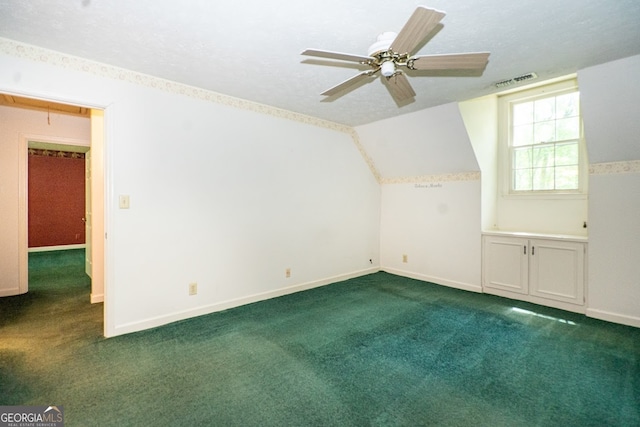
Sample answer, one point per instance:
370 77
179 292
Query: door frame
57 143
103 171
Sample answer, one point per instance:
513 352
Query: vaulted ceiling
251 49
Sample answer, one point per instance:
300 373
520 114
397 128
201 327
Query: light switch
124 202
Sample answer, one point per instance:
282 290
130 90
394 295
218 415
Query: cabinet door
505 264
557 270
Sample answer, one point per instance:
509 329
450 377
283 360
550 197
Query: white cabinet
506 264
547 271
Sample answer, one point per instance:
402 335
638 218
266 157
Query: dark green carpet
373 351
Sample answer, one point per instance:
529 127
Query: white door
87 215
96 216
557 270
505 264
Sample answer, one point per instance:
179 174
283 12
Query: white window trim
504 159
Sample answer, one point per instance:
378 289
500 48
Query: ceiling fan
391 52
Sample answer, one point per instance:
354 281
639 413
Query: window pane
544 132
567 177
522 180
522 113
522 135
567 128
543 179
544 109
543 157
568 105
522 158
545 142
567 154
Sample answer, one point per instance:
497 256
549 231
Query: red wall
56 198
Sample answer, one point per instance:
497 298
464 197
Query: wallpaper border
446 177
59 154
47 56
611 168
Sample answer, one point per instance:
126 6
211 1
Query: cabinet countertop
527 235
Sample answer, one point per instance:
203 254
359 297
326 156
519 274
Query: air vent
519 79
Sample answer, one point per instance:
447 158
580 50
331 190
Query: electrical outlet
405 258
193 288
287 272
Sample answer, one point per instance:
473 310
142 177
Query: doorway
58 199
93 144
24 132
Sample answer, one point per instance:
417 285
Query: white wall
437 225
544 215
430 208
480 117
220 194
614 245
16 124
610 94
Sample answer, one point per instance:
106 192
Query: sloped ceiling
609 100
432 141
251 49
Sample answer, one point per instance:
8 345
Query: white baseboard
614 317
436 280
57 248
225 305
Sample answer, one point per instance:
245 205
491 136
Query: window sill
545 196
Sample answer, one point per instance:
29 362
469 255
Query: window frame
505 102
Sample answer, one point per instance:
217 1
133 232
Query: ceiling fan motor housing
382 44
380 49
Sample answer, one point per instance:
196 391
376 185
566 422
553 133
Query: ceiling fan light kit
391 52
388 68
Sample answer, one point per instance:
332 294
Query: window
543 148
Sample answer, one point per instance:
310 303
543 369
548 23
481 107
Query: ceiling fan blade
337 55
454 61
347 83
399 87
419 25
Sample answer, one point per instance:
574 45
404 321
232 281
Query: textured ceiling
251 49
